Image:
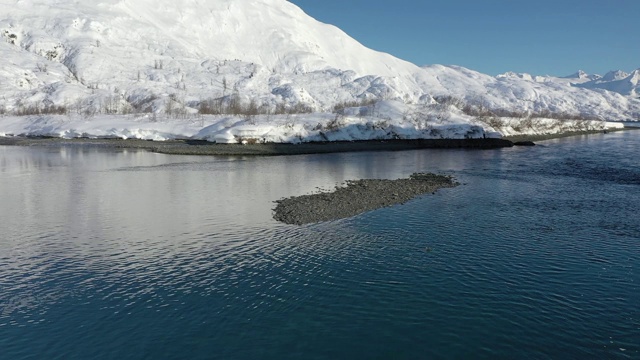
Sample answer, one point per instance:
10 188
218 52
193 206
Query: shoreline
205 148
201 147
357 197
542 137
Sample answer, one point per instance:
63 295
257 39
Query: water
132 255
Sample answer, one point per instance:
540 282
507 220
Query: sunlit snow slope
120 56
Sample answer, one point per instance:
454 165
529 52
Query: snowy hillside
238 58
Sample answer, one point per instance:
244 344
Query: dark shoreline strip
357 197
199 147
275 149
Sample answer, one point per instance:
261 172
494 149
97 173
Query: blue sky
555 37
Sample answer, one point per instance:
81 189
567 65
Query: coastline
542 137
200 147
205 148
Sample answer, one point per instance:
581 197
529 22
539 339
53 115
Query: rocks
356 197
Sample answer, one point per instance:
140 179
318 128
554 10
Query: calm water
132 255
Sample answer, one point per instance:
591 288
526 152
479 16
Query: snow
617 81
161 59
581 76
383 122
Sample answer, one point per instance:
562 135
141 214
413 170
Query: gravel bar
358 196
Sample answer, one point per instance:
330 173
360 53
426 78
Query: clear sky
554 37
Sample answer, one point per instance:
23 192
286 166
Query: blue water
132 255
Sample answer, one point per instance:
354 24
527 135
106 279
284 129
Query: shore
518 138
357 197
201 147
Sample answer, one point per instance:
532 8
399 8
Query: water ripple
534 257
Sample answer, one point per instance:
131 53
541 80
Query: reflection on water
146 194
130 254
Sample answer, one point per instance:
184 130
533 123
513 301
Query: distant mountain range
616 81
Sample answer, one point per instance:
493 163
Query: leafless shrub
548 114
449 100
111 105
380 124
233 105
493 121
247 140
142 104
40 109
526 123
300 108
211 106
339 108
334 124
175 107
419 118
480 110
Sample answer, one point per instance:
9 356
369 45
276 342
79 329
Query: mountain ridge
121 56
617 81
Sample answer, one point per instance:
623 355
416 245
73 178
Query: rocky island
358 196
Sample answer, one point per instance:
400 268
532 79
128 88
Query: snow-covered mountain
121 56
268 49
617 81
613 76
580 77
